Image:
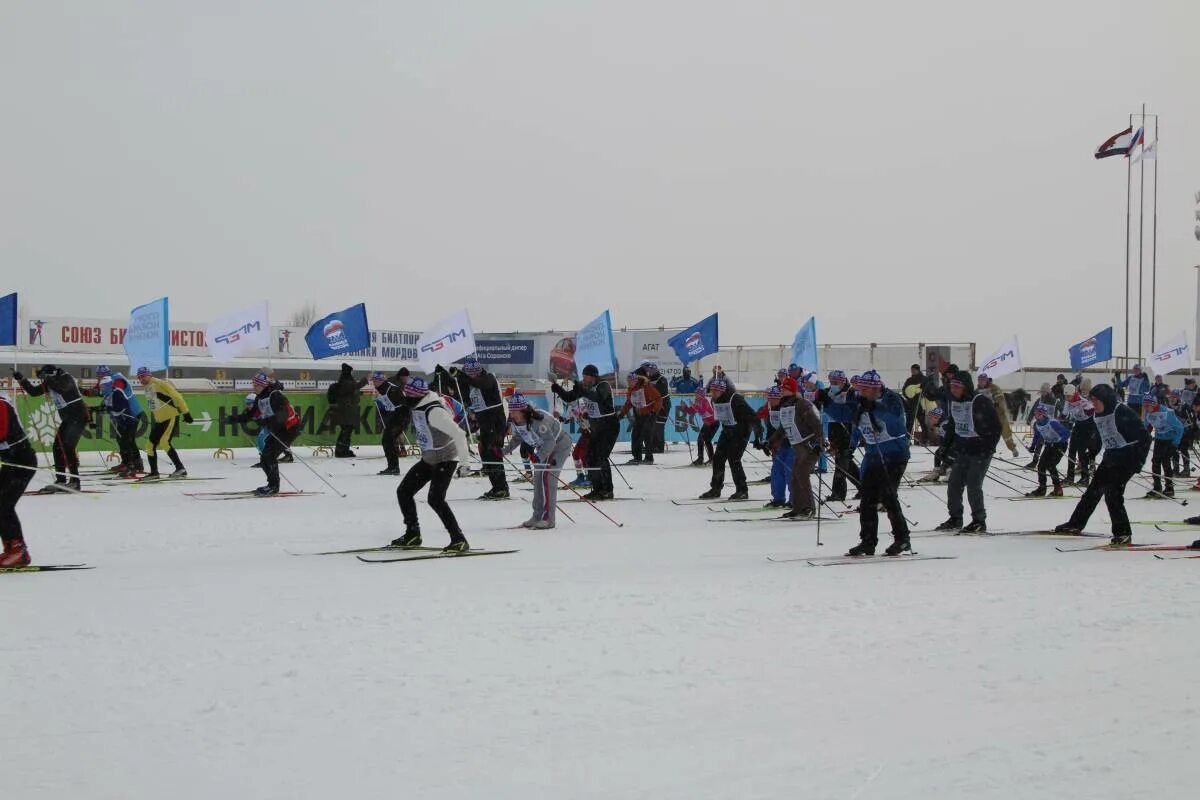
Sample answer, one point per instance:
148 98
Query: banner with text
1004 361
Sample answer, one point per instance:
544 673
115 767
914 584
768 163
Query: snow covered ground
664 659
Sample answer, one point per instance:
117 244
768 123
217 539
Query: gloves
18 376
454 372
187 418
558 390
1014 451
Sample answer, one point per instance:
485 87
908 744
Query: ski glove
187 418
18 375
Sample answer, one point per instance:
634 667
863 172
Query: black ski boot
389 471
740 494
975 526
898 547
1040 491
952 524
266 491
864 548
711 494
1068 527
411 538
1121 540
458 544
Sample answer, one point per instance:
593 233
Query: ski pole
295 488
52 471
613 464
299 458
560 480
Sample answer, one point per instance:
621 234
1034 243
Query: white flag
240 332
446 342
1146 151
1004 361
1173 355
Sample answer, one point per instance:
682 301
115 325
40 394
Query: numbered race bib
385 404
964 419
590 407
477 403
773 417
787 419
724 413
420 424
868 430
264 407
638 399
528 435
1106 425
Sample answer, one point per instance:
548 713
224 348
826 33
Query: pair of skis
420 553
246 495
842 561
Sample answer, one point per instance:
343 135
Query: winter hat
260 378
1040 411
719 384
794 370
781 374
471 366
700 390
870 378
103 371
144 372
856 380
836 375
789 384
590 369
251 399
983 376
347 369
650 366
936 413
1151 404
518 403
774 393
378 377
1137 369
48 371
634 377
415 387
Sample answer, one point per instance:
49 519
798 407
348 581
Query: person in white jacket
442 444
551 445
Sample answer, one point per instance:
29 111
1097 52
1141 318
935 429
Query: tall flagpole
1141 231
1154 240
1128 214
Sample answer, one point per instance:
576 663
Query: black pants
1082 449
729 449
641 436
704 441
131 456
1183 459
491 452
343 439
66 456
1163 464
880 483
438 476
1048 463
13 481
1109 483
392 431
843 458
658 429
600 446
276 445
161 435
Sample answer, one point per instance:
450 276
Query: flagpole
1141 232
1154 237
1128 220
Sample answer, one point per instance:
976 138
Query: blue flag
1092 351
696 342
804 346
8 320
594 345
339 334
148 337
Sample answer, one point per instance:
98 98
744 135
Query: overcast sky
917 171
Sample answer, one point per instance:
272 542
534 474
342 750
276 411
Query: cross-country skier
800 429
703 408
882 428
72 418
1126 443
276 414
551 445
1052 436
1168 432
124 414
1136 386
602 416
395 414
658 426
645 401
442 444
972 433
17 463
1187 416
484 401
837 401
737 422
781 451
166 406
987 385
1084 444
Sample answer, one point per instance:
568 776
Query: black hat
347 369
403 373
590 369
48 371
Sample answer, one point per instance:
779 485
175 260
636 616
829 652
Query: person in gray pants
551 446
973 431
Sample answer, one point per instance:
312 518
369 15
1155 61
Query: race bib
477 403
638 398
528 435
724 413
420 424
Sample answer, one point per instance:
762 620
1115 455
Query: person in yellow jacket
166 406
985 384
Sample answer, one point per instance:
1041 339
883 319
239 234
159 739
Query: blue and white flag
240 332
696 342
339 334
804 346
1005 361
148 337
8 320
594 345
1095 350
1171 356
446 342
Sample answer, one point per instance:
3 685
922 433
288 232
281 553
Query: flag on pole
696 342
1147 152
594 345
339 334
447 341
148 337
240 332
1118 144
1004 361
804 346
8 320
1095 350
1173 355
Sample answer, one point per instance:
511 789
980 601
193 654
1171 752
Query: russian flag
1119 144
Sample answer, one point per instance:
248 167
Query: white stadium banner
446 342
1004 361
240 332
1174 354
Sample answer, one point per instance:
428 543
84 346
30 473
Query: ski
1039 497
1173 558
44 493
431 556
698 502
251 495
878 560
1063 534
140 482
1165 548
1106 547
967 534
45 568
1163 525
763 510
611 499
387 548
812 521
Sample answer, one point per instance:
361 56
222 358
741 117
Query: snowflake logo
44 423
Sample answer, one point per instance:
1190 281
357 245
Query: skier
442 444
166 405
1084 444
645 402
602 416
276 414
781 452
484 401
703 407
580 450
658 426
737 422
551 446
1187 415
881 426
972 434
17 464
911 392
1052 436
1126 443
1136 386
394 413
125 414
800 429
837 401
1168 432
343 395
986 384
72 417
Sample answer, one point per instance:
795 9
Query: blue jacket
1050 431
838 404
1166 425
123 404
1136 387
682 385
882 428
